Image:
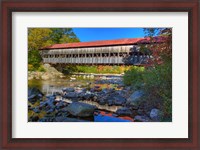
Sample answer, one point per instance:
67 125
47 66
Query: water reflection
56 85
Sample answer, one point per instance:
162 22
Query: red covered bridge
106 52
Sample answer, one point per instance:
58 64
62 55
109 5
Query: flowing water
56 85
49 87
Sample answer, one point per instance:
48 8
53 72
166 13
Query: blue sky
93 34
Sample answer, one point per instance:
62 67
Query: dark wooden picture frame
9 6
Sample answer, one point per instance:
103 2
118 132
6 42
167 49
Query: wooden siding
125 54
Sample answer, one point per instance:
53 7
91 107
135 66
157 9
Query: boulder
87 96
81 109
51 103
69 89
118 100
124 111
156 115
34 94
71 95
45 77
135 98
113 98
47 65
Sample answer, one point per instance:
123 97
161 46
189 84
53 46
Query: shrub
158 85
30 67
156 82
34 58
41 69
96 69
70 69
134 77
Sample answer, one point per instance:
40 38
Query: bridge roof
127 41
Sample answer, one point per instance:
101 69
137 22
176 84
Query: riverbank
83 101
105 96
48 73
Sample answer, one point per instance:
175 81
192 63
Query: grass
100 69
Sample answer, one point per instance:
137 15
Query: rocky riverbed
104 99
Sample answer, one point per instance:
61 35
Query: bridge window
88 55
45 56
120 54
96 55
105 54
113 54
81 55
124 54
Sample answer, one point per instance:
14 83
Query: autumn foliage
155 78
160 52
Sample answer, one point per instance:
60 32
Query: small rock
156 114
58 98
119 100
50 111
36 110
124 111
59 105
88 96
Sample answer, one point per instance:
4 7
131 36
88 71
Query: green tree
34 58
42 37
38 38
63 35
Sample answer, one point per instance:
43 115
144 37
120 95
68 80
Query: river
88 82
82 81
